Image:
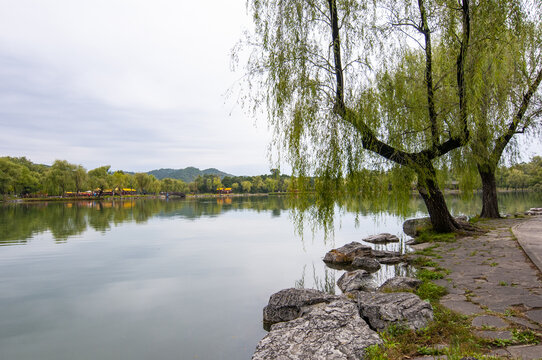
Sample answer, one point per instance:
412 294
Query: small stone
400 283
365 263
381 238
357 280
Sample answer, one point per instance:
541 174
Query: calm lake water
182 279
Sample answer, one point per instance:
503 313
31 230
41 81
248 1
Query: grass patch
447 328
430 251
430 291
432 236
519 337
424 274
424 262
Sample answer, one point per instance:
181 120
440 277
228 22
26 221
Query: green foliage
521 176
423 261
60 177
424 274
430 291
375 352
100 178
348 98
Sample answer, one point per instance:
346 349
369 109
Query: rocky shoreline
310 324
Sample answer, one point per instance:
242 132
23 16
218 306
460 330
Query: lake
178 279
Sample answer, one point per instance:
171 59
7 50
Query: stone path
492 280
529 236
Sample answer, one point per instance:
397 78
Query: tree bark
441 219
490 205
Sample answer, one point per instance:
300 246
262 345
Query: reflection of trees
19 222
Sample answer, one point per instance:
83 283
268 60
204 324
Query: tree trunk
441 219
490 206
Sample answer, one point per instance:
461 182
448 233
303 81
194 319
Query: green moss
432 236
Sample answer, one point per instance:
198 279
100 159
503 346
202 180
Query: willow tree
350 84
506 83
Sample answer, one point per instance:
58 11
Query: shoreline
131 197
485 291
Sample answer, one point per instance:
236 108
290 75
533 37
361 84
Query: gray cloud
134 84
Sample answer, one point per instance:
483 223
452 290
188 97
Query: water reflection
166 279
19 222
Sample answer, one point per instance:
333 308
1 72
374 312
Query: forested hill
188 174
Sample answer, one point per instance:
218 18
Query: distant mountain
187 175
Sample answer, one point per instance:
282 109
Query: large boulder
381 238
413 227
288 304
357 280
346 254
333 331
366 263
399 283
381 310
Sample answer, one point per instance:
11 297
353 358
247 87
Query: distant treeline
21 177
521 176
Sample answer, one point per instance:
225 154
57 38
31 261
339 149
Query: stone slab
492 335
523 322
487 320
462 307
534 315
499 352
526 352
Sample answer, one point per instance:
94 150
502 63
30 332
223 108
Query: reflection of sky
170 288
173 286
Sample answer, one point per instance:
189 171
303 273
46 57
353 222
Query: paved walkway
529 236
493 280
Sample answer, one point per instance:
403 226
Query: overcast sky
135 84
